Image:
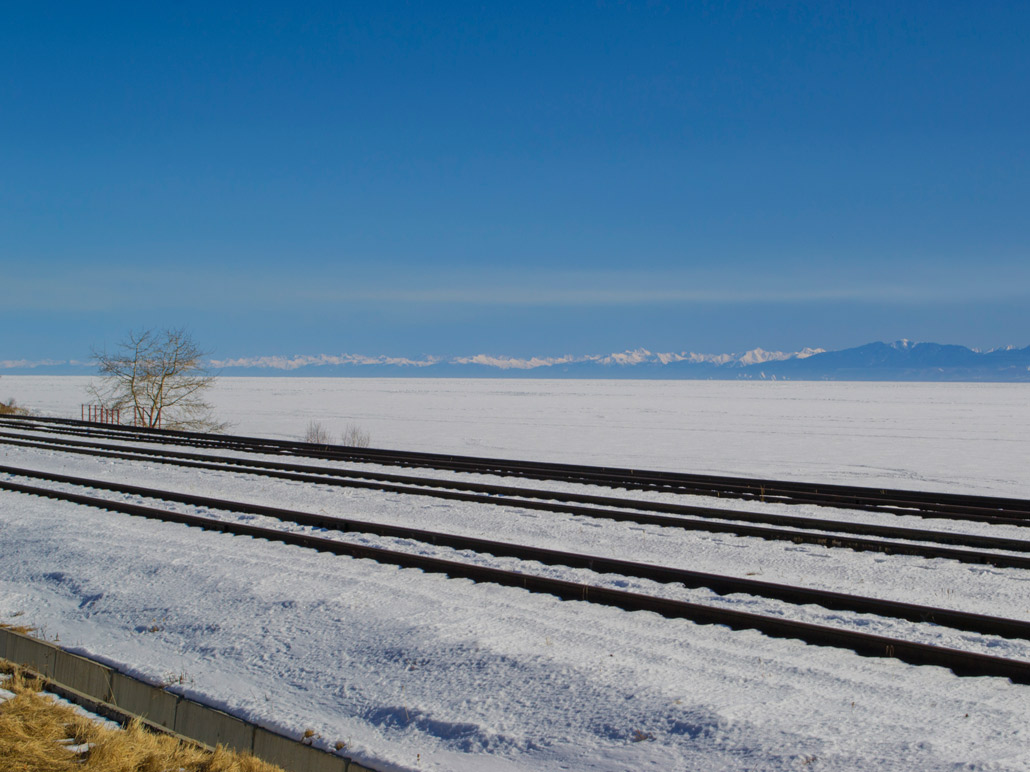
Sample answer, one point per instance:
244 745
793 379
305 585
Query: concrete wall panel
164 709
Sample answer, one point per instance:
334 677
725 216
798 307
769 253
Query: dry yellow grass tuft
12 409
19 629
23 629
39 735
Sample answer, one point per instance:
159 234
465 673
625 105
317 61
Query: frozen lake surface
965 437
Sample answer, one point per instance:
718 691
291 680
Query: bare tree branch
158 377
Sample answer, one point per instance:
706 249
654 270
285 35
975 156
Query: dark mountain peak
906 361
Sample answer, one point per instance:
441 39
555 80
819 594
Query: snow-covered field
416 671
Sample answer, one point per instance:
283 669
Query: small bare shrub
318 434
355 437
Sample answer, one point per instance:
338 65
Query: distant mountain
637 363
898 361
903 361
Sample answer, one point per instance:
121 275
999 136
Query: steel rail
787 492
720 584
906 502
961 663
942 537
914 534
632 513
898 502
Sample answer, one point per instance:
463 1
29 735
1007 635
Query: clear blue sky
513 178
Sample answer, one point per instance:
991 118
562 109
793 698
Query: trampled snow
415 671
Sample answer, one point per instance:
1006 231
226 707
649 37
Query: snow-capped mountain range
902 360
632 358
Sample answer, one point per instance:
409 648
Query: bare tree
159 378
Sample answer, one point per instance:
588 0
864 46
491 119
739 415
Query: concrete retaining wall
108 692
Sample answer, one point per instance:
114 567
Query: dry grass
22 629
10 408
35 734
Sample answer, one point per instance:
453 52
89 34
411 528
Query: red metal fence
101 415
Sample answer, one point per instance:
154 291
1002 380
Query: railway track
850 497
960 662
925 543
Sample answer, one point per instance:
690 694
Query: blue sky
513 178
